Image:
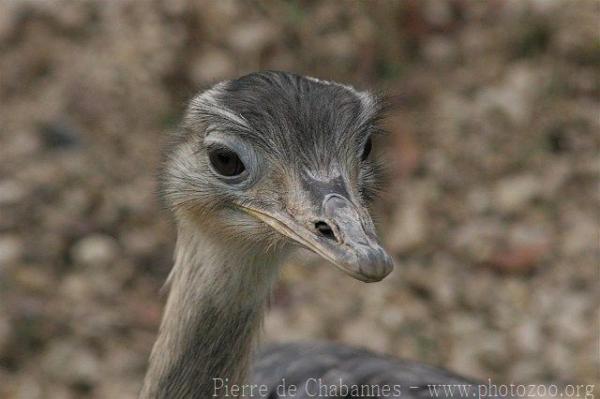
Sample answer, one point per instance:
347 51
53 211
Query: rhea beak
342 233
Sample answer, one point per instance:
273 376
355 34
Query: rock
176 8
408 227
11 192
437 13
74 18
363 29
29 387
339 46
25 144
492 350
569 320
544 6
392 318
558 359
528 335
11 250
479 199
59 135
555 175
95 250
76 287
125 389
439 49
5 330
276 325
251 37
514 95
212 66
282 60
364 333
580 234
32 279
480 293
518 259
140 242
477 239
464 358
69 362
525 369
513 193
9 18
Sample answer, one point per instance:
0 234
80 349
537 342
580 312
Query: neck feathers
217 297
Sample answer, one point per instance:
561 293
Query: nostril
325 230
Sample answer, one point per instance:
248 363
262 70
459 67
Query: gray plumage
309 366
259 165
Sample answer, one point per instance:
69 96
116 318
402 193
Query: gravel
491 207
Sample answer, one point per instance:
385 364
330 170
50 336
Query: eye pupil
366 150
226 162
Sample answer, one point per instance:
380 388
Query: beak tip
376 271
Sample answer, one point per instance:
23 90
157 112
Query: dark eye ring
225 161
366 150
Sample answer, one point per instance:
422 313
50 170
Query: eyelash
366 150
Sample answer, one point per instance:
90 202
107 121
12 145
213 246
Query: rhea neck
216 302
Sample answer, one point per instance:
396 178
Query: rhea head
273 159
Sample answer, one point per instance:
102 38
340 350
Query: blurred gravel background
491 208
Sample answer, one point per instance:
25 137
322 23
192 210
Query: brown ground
492 209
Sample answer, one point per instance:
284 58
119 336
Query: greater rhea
260 165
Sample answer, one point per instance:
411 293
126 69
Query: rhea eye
225 162
366 150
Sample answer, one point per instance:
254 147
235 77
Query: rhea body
260 165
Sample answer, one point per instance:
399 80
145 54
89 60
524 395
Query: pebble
464 360
392 317
251 37
140 242
518 259
492 350
59 135
70 362
29 387
339 46
471 116
364 333
8 19
11 249
95 250
580 234
525 369
514 192
11 192
437 12
439 50
212 66
5 330
479 199
477 238
528 335
514 95
569 318
408 227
